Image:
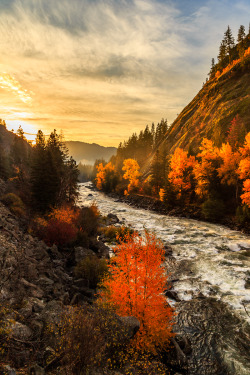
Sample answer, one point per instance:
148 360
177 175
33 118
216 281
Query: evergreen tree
54 175
213 69
222 54
241 41
229 42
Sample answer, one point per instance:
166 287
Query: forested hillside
200 163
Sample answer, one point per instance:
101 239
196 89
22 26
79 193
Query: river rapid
218 267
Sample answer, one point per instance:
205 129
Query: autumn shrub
114 234
213 209
135 287
59 227
88 219
89 339
59 233
15 203
82 239
81 342
92 269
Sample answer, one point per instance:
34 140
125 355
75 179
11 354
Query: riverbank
189 212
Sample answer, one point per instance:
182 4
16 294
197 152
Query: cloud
11 84
130 62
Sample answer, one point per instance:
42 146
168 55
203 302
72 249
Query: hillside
6 137
210 113
87 153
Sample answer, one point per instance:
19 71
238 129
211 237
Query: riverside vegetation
57 321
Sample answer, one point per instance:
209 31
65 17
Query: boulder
20 331
103 250
81 253
36 370
131 324
7 370
52 312
113 219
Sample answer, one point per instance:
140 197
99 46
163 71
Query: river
217 256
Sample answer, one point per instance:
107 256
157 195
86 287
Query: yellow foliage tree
131 169
206 171
103 174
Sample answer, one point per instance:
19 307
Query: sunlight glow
9 83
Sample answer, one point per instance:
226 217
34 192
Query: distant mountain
87 153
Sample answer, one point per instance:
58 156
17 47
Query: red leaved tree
135 287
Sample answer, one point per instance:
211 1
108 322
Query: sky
100 70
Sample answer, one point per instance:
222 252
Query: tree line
43 175
229 51
216 180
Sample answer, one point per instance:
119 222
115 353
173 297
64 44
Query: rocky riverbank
189 212
36 283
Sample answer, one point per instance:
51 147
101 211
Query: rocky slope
36 283
210 113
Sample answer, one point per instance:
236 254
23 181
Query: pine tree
241 41
222 54
229 42
212 70
54 175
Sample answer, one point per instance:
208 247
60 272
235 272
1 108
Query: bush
88 220
91 269
15 203
90 339
243 214
213 209
81 341
115 234
59 233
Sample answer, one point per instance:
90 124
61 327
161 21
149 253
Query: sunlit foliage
131 169
106 178
206 170
227 170
181 171
244 170
136 287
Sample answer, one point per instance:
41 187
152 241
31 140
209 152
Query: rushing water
220 256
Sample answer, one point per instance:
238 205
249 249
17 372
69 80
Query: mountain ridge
89 152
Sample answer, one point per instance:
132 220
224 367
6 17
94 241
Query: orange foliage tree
60 228
227 171
131 169
205 171
244 170
105 177
100 176
181 171
135 287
